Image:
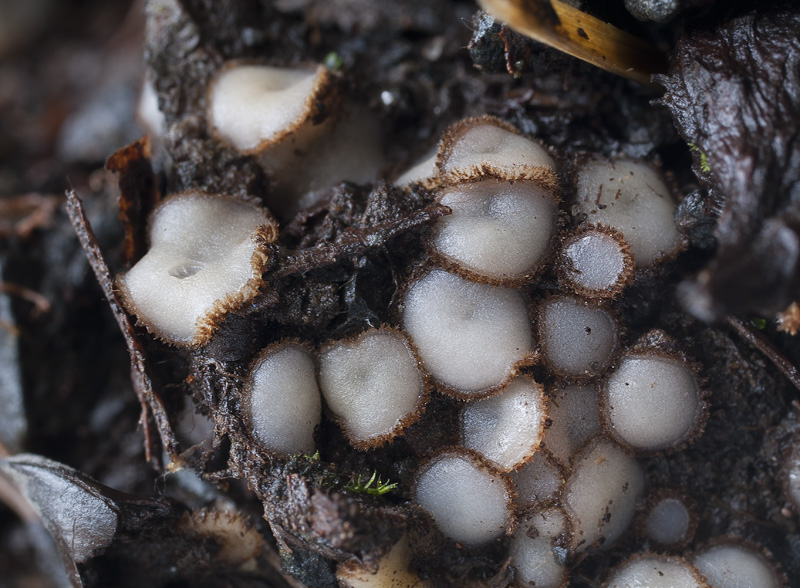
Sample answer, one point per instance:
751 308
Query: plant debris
183 491
734 93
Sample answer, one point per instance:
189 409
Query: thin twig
31 211
761 343
142 384
10 327
581 35
42 305
144 419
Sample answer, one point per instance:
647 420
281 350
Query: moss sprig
374 487
705 167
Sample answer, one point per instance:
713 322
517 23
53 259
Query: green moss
378 489
333 61
705 167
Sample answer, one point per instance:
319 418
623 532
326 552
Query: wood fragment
21 215
580 35
41 304
761 343
138 195
140 378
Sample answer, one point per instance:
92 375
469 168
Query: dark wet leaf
108 538
735 97
80 519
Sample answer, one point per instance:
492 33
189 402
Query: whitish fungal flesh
654 571
206 258
601 494
470 337
735 566
148 112
469 500
596 262
307 163
577 338
497 230
255 106
631 197
506 429
535 552
668 521
283 400
392 571
238 541
307 138
372 384
652 402
476 146
421 172
538 480
574 415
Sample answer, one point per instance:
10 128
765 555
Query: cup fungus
469 500
731 565
601 494
655 571
471 337
475 147
423 172
373 385
653 402
668 521
350 149
540 479
206 257
506 429
254 107
305 135
237 540
480 147
282 399
577 338
537 549
498 232
574 415
466 329
392 571
596 262
148 112
631 197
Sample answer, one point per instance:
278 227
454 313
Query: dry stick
142 384
760 342
576 33
41 303
36 209
10 327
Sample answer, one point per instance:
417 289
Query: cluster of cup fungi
547 464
